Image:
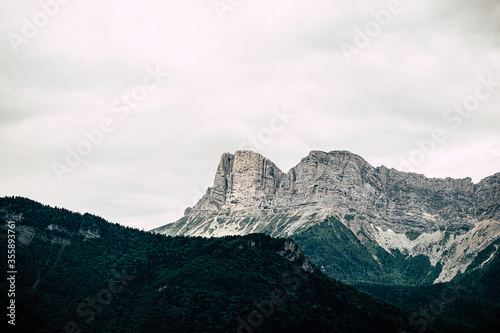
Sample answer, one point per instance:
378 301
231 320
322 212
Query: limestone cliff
345 183
395 210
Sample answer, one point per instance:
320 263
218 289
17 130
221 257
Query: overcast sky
163 88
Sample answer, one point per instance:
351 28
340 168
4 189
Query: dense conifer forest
79 273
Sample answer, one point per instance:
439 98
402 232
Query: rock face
344 182
243 180
251 194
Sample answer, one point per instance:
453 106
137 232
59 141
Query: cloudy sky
122 109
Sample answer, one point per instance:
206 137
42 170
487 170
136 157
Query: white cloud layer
78 63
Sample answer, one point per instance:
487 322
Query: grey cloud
226 79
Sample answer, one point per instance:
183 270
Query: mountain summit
339 208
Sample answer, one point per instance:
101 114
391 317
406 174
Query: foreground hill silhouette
79 273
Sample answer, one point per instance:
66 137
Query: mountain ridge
126 280
384 208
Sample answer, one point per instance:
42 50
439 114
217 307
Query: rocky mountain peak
340 195
342 182
245 179
336 157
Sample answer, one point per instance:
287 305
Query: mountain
78 273
356 222
470 304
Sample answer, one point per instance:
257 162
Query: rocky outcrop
346 184
399 211
243 180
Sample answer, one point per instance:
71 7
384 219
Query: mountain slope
78 273
441 224
470 304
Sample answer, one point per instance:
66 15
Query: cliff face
345 183
385 208
244 180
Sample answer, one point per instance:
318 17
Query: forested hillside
470 303
79 273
